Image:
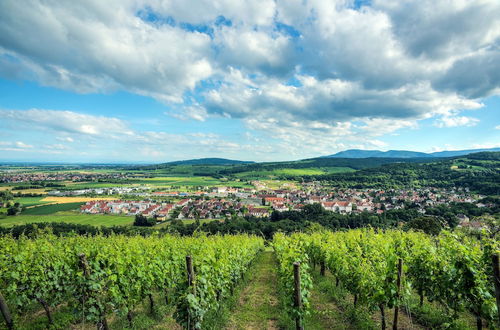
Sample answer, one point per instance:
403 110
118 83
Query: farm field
51 208
159 182
185 181
30 191
313 171
269 174
68 217
59 200
91 185
189 181
462 166
279 184
30 201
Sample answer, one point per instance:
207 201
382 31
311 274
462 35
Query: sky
263 80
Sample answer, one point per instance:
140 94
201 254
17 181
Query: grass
271 174
51 208
339 169
279 184
181 181
258 305
333 306
325 314
91 185
433 315
37 320
162 181
30 201
65 318
298 171
69 217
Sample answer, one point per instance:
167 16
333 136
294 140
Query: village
225 202
19 177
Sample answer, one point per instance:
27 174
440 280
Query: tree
429 225
6 195
12 210
142 221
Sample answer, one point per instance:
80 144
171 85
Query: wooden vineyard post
297 296
191 284
190 273
6 313
398 283
102 324
322 269
496 279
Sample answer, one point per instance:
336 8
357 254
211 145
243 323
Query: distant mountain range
358 153
209 161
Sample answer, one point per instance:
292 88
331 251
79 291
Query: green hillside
480 172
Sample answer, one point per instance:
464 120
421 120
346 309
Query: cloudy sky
153 81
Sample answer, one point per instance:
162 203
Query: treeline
68 229
38 185
485 155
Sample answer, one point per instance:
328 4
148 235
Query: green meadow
291 172
30 201
51 209
68 217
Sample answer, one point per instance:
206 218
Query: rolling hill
209 161
358 153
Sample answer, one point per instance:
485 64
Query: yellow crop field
58 200
31 191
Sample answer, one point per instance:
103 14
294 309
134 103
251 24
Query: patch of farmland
69 217
52 208
60 200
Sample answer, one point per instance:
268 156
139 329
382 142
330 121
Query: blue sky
154 81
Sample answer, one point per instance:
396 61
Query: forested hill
479 172
353 163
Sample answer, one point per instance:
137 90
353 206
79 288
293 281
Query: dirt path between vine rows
258 306
325 314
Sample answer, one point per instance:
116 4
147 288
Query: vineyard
101 279
383 269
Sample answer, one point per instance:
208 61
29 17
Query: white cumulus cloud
456 121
